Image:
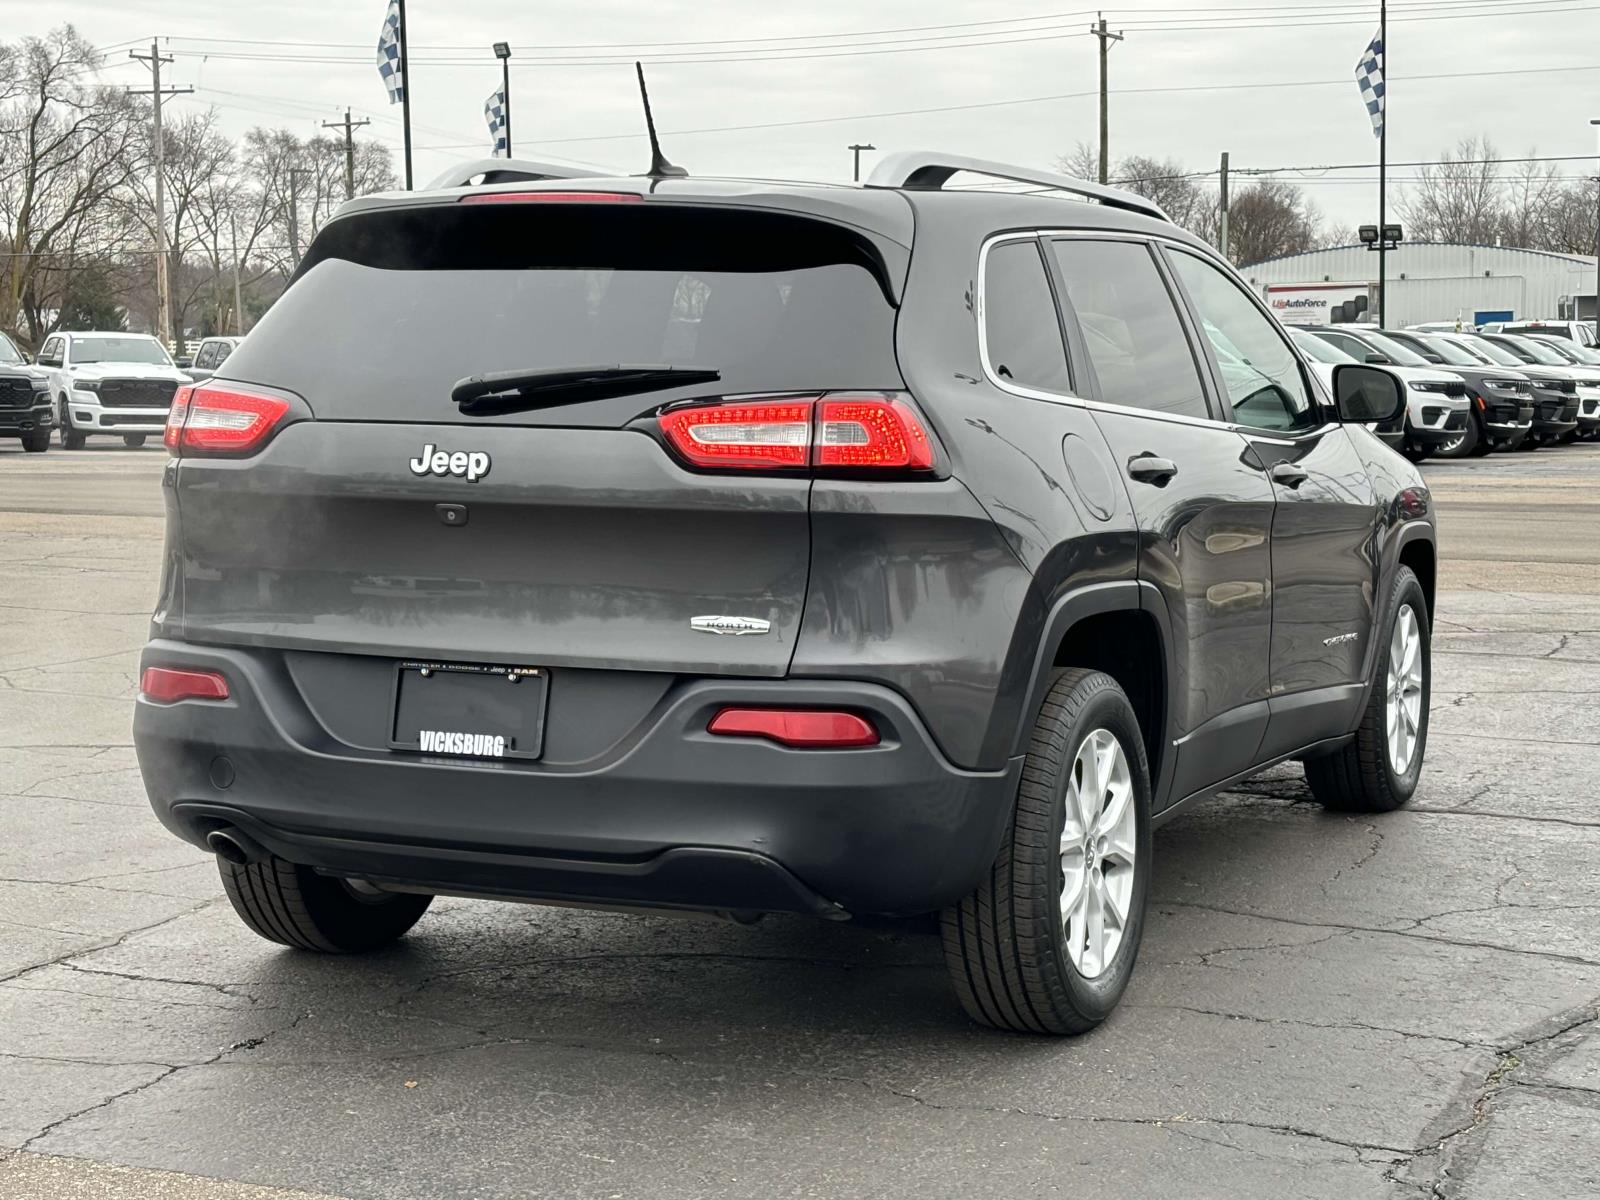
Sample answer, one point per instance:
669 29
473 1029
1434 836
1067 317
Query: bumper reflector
801 728
165 685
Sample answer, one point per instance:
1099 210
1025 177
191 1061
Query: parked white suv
1436 400
120 383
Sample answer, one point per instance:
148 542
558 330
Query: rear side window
397 306
1021 329
1131 327
207 356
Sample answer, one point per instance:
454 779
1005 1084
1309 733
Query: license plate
468 710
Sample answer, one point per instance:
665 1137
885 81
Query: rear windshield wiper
501 392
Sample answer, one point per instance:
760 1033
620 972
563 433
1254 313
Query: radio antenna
660 168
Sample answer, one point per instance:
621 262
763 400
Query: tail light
222 418
804 729
167 685
829 433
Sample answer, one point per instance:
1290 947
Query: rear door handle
1150 469
1289 475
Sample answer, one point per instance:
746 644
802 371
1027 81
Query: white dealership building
1428 281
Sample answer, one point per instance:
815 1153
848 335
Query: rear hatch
382 519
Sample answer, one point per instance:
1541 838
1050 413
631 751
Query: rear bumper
667 817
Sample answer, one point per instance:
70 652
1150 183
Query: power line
1262 13
1058 96
757 50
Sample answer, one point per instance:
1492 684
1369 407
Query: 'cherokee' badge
729 626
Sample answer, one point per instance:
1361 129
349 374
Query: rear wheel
294 906
37 442
1047 942
1379 769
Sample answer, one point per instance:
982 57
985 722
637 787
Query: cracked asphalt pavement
1394 1006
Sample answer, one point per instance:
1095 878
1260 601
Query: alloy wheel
1098 840
1403 712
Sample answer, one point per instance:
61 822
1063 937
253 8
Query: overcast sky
576 111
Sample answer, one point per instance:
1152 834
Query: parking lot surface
1325 1005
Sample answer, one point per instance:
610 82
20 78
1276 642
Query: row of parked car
1472 392
82 384
1469 392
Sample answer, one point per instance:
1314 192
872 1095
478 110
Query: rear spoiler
504 170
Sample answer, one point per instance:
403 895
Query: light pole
1596 244
856 150
502 51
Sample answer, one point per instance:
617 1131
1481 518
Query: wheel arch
1122 629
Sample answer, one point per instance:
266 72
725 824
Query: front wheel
1047 942
37 442
71 439
1465 443
133 440
1379 769
294 906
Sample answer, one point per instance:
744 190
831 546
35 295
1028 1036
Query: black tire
1468 443
71 439
294 906
133 440
37 442
1006 944
1361 777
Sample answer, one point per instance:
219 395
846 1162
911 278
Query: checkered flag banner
1369 77
391 67
494 112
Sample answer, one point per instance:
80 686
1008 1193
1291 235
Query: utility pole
1596 251
1383 170
1222 224
294 214
163 287
238 302
349 128
856 150
1106 38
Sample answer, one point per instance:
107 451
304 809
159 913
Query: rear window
395 307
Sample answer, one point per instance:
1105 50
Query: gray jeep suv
747 547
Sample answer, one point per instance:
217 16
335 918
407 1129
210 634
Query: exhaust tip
229 847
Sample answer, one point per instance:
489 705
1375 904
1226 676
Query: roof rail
927 169
505 170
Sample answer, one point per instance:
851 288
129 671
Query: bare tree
1164 180
196 154
1458 200
1270 218
1568 225
66 145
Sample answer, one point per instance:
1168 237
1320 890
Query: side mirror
1365 394
1374 357
184 363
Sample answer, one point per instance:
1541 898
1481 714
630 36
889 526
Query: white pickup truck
118 383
